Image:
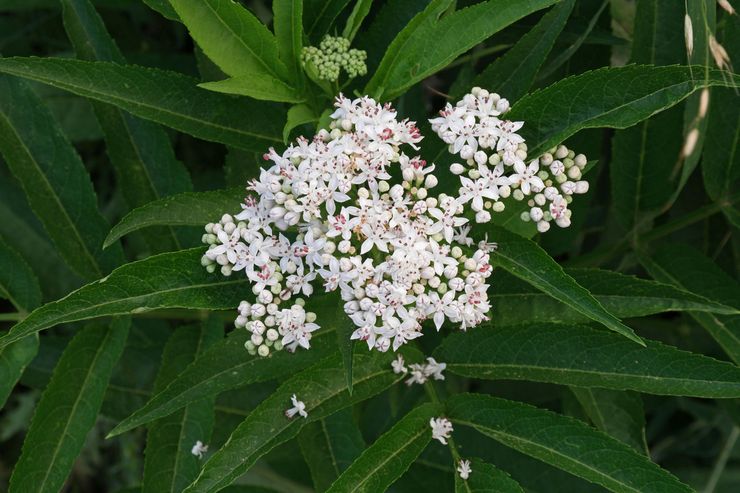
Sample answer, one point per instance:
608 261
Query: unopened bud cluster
496 166
333 55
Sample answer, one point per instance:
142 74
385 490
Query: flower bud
543 226
482 217
581 186
480 157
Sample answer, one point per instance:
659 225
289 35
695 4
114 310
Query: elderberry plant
411 277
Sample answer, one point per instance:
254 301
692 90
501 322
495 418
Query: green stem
12 317
724 455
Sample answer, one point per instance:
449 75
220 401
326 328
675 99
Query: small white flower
298 408
398 365
199 449
464 468
434 369
441 429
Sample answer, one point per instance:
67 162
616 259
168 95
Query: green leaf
185 209
346 345
323 389
565 55
390 455
721 158
329 446
354 21
684 266
299 114
514 301
288 26
164 8
642 174
68 408
168 280
165 97
486 478
169 464
563 442
412 57
225 366
586 357
54 179
19 227
614 97
319 15
257 86
146 167
18 283
232 37
619 414
526 260
512 74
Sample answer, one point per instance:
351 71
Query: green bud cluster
332 55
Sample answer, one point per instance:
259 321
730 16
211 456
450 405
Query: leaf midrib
9 338
545 448
74 407
96 94
493 366
54 196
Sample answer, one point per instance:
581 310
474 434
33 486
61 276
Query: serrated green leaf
225 366
390 455
146 167
19 285
514 301
563 442
68 408
19 227
168 280
354 21
721 157
185 209
586 357
319 15
329 446
614 97
232 37
411 57
54 179
257 86
288 27
684 266
642 174
527 261
616 413
299 114
486 478
323 389
512 74
169 98
169 464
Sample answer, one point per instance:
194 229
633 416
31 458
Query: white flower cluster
351 209
441 429
495 163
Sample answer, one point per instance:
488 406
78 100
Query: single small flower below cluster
464 469
333 55
199 449
441 429
495 164
350 211
299 408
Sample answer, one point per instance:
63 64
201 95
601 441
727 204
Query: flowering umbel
353 210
